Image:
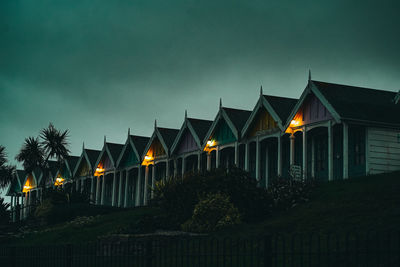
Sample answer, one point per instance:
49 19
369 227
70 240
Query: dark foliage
6 171
54 142
4 212
178 197
287 193
213 212
31 154
35 153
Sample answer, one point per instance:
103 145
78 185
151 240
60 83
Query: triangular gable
129 155
310 98
156 147
187 143
187 137
105 160
30 183
262 118
15 186
83 167
228 129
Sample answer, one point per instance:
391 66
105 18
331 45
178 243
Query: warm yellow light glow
27 187
294 123
59 181
148 158
99 170
210 143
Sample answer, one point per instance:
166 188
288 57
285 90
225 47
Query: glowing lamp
294 122
99 170
148 158
210 142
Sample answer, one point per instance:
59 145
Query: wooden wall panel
187 143
383 150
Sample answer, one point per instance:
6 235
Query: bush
50 213
287 193
56 195
213 212
178 197
4 212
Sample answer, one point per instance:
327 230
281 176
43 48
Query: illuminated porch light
210 143
294 123
59 181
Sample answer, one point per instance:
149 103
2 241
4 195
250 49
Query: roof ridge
236 109
282 97
354 86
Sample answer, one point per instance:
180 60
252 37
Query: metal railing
370 249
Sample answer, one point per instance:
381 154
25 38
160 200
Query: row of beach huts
331 132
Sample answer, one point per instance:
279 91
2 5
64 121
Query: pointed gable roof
165 135
278 107
197 127
235 118
168 135
238 117
16 183
281 105
113 151
90 156
137 143
71 162
352 103
53 167
201 127
361 104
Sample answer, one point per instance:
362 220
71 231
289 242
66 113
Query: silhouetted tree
36 153
6 171
31 154
54 143
4 212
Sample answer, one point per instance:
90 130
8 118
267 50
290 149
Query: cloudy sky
99 67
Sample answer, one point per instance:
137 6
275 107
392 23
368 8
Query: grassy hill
359 204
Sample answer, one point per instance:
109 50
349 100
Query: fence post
149 253
268 251
69 255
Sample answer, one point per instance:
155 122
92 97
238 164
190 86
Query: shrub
44 209
213 212
4 213
287 193
178 197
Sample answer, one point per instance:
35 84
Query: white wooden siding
383 150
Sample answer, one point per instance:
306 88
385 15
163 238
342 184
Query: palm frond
31 154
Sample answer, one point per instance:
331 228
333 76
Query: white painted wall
383 150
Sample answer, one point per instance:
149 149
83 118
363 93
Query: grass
359 204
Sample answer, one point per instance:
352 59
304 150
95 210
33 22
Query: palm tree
6 171
54 143
36 154
31 154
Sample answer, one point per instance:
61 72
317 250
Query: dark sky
99 67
